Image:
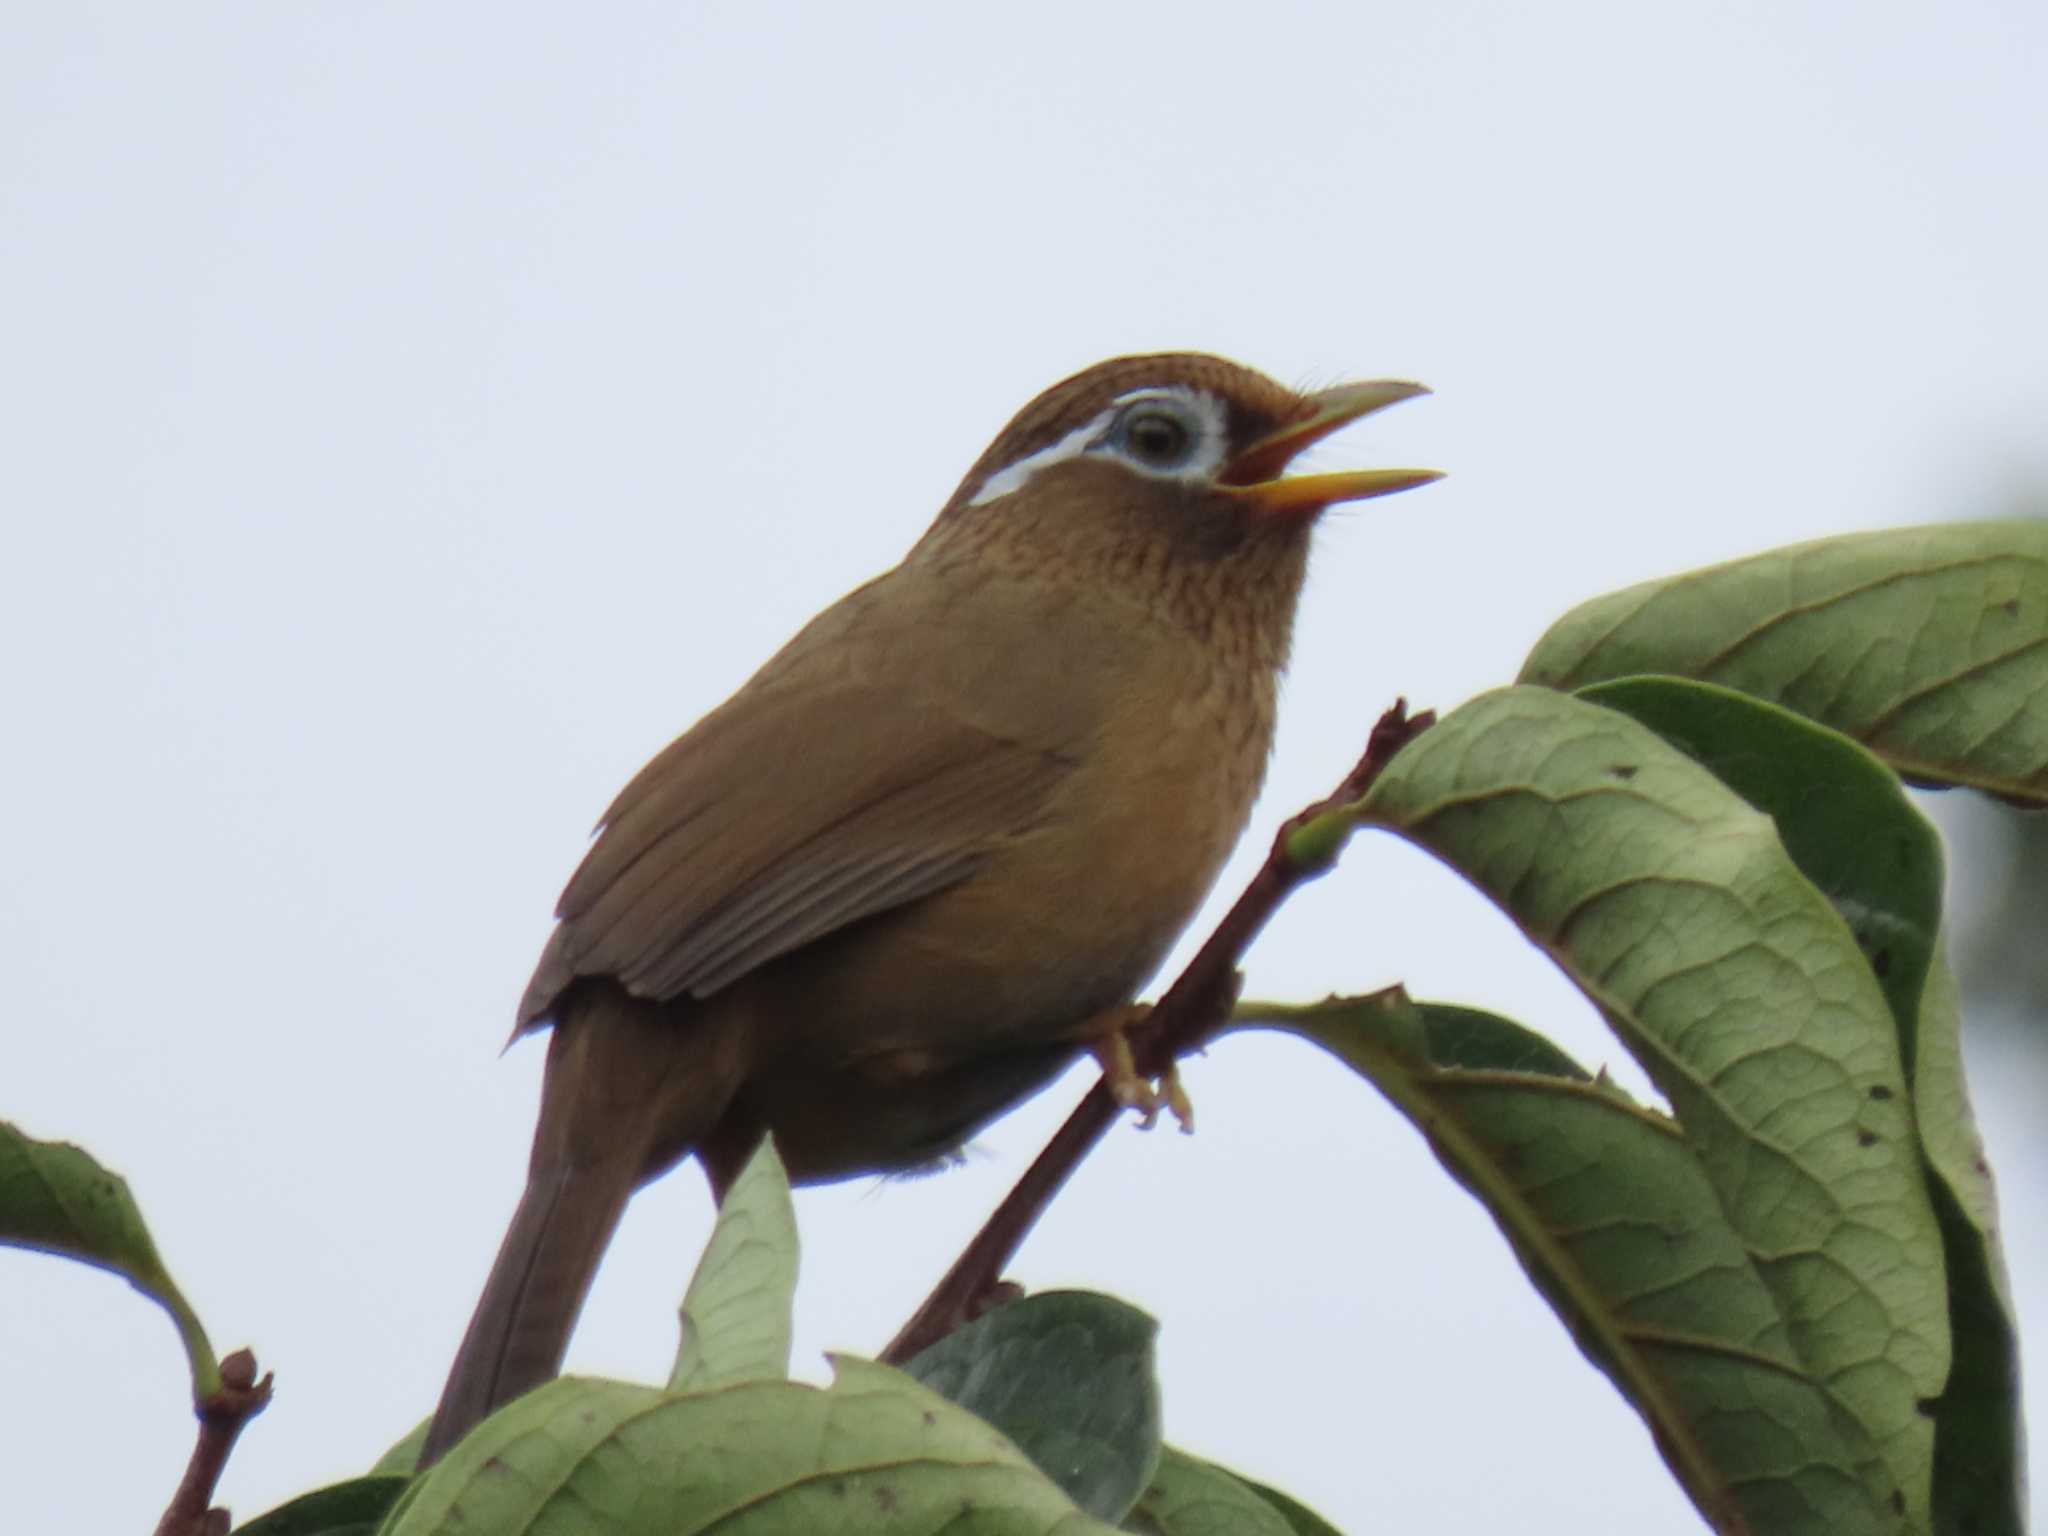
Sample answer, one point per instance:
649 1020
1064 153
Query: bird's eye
1157 435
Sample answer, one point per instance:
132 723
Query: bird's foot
1148 1096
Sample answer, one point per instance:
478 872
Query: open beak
1255 475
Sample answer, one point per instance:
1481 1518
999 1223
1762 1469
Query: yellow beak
1256 473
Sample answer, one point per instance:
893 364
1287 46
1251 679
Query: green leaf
737 1315
1840 813
1301 1520
346 1509
403 1459
1855 834
1979 1455
1673 906
55 1197
876 1451
1928 645
1615 1220
1187 1497
1069 1377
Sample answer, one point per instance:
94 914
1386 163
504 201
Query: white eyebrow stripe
1012 477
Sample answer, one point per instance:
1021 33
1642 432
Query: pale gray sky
418 415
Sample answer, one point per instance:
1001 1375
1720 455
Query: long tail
521 1327
631 1087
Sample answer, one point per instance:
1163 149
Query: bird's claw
1132 1089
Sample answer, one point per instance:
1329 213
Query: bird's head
1153 468
1174 424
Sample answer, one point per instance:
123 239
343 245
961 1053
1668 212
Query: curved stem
222 1414
1199 1000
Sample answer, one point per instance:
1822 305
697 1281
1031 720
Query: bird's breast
1069 914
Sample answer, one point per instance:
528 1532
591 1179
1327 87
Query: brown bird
922 858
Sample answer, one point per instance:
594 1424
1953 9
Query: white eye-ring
1173 433
1160 435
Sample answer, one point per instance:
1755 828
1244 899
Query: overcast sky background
415 416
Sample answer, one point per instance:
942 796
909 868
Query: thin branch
1193 1008
221 1418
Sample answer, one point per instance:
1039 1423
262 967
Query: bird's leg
1110 1042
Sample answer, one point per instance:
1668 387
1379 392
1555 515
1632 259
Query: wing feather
729 850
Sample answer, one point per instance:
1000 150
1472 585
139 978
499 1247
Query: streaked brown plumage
889 887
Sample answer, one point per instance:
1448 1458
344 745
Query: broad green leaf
1840 813
1069 1377
736 1317
55 1197
403 1459
1854 833
1188 1497
1301 1520
875 1451
347 1509
1928 645
1979 1449
1614 1218
1673 906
